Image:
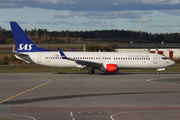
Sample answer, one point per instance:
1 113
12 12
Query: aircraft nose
171 62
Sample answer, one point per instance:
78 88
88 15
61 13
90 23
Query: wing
84 63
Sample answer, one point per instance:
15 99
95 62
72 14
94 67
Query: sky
155 16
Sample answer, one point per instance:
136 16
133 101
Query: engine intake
109 68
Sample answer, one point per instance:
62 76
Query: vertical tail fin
22 41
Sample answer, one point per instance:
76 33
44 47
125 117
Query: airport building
169 50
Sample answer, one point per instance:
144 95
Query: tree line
10 60
43 36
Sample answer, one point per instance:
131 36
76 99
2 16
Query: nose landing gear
160 69
157 72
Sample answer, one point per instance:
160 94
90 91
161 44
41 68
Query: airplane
103 61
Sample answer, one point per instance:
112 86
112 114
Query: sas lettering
25 47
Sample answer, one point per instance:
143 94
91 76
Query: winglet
73 50
62 54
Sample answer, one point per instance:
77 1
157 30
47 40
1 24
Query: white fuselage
122 60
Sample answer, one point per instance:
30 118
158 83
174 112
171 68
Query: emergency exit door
155 59
39 58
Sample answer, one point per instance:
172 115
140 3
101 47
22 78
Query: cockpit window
164 58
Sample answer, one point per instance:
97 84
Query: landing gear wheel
91 71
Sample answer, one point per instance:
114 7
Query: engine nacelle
109 68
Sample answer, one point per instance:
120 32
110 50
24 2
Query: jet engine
108 68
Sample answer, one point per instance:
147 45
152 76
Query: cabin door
155 59
39 59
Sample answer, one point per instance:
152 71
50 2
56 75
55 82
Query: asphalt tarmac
79 96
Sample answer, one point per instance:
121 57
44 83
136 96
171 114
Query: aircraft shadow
23 101
116 73
98 73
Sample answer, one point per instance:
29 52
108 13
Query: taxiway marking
153 80
25 91
72 116
18 115
122 113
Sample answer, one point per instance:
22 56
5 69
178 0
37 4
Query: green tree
4 60
12 58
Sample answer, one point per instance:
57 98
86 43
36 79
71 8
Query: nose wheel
91 71
157 72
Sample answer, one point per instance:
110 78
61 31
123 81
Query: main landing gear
91 71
